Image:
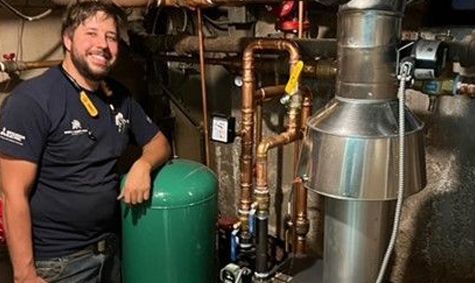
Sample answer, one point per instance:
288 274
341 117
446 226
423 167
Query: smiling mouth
101 59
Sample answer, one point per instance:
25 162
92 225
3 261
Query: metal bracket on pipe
406 69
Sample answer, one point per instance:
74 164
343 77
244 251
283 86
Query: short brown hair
80 11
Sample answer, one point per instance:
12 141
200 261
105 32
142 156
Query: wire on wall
23 16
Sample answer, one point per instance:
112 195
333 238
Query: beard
85 70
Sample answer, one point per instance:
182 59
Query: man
60 137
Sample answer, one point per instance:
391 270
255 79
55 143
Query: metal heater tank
351 148
171 238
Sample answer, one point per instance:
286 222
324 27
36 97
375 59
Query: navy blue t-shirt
73 202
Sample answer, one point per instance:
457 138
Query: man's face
94 46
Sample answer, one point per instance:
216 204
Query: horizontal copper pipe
267 144
267 93
292 133
15 66
262 95
321 69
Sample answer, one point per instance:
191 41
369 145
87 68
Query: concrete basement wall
437 236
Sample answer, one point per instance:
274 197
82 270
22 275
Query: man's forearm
18 231
138 183
156 152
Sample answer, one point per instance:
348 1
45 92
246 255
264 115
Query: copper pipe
321 69
300 218
307 106
302 224
300 19
261 192
15 66
247 124
258 120
466 89
267 93
247 131
297 143
296 154
262 95
204 96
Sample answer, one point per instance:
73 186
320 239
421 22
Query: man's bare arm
138 183
17 178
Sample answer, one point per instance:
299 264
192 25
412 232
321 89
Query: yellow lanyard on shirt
85 100
87 103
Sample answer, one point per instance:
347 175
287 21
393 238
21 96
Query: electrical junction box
223 128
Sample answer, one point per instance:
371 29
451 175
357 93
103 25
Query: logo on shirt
121 122
76 129
76 125
11 136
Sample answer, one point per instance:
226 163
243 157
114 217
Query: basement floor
306 270
302 270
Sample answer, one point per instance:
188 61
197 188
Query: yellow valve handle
292 85
87 103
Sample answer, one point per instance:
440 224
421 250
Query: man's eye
91 34
112 38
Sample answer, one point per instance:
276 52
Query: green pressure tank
171 238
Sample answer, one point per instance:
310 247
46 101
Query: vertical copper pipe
300 35
247 124
293 133
299 217
258 123
302 224
247 132
204 96
300 19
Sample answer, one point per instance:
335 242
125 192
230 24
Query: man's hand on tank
137 184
